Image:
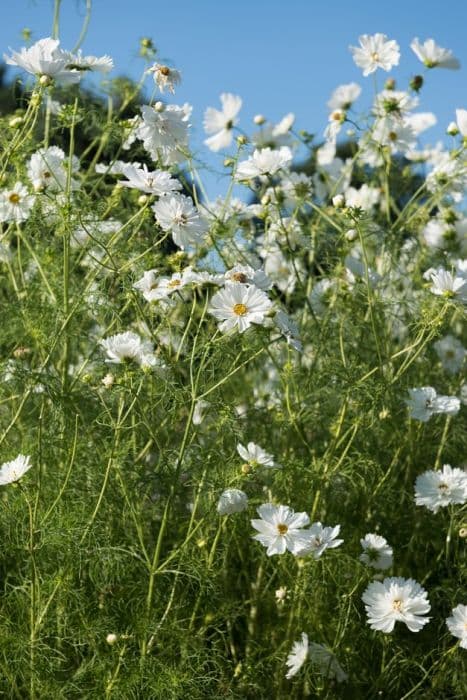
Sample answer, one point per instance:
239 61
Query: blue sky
278 56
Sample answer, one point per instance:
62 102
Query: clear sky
278 55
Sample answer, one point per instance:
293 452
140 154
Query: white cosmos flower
220 123
451 352
366 197
158 182
164 131
264 161
176 213
297 656
245 274
48 170
76 61
434 56
255 456
289 329
396 599
344 96
238 306
45 58
15 204
280 529
154 288
447 284
14 470
274 135
320 539
320 295
128 346
437 489
376 552
375 52
457 624
395 134
165 77
232 501
424 402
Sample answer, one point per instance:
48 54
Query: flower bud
111 639
159 106
259 119
108 380
228 162
15 121
390 84
142 199
351 234
416 83
452 129
338 201
45 80
242 140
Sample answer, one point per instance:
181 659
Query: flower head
238 306
447 284
14 470
255 456
434 56
320 539
297 656
396 599
437 489
176 213
264 161
158 182
127 347
165 77
232 501
164 131
376 552
424 402
280 529
15 204
451 352
344 96
45 58
220 123
457 624
375 51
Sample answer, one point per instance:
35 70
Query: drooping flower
176 213
280 529
457 624
15 204
238 306
320 539
264 161
297 656
255 456
220 123
157 182
165 77
434 56
14 470
423 402
375 51
437 489
376 552
232 501
396 599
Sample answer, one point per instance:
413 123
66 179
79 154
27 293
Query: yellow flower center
240 309
375 56
397 605
282 529
14 198
164 70
239 277
442 486
174 283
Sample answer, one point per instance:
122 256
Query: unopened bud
390 84
159 106
15 121
245 468
259 119
452 129
416 83
351 234
228 162
242 140
142 199
45 80
265 200
338 201
108 380
111 639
